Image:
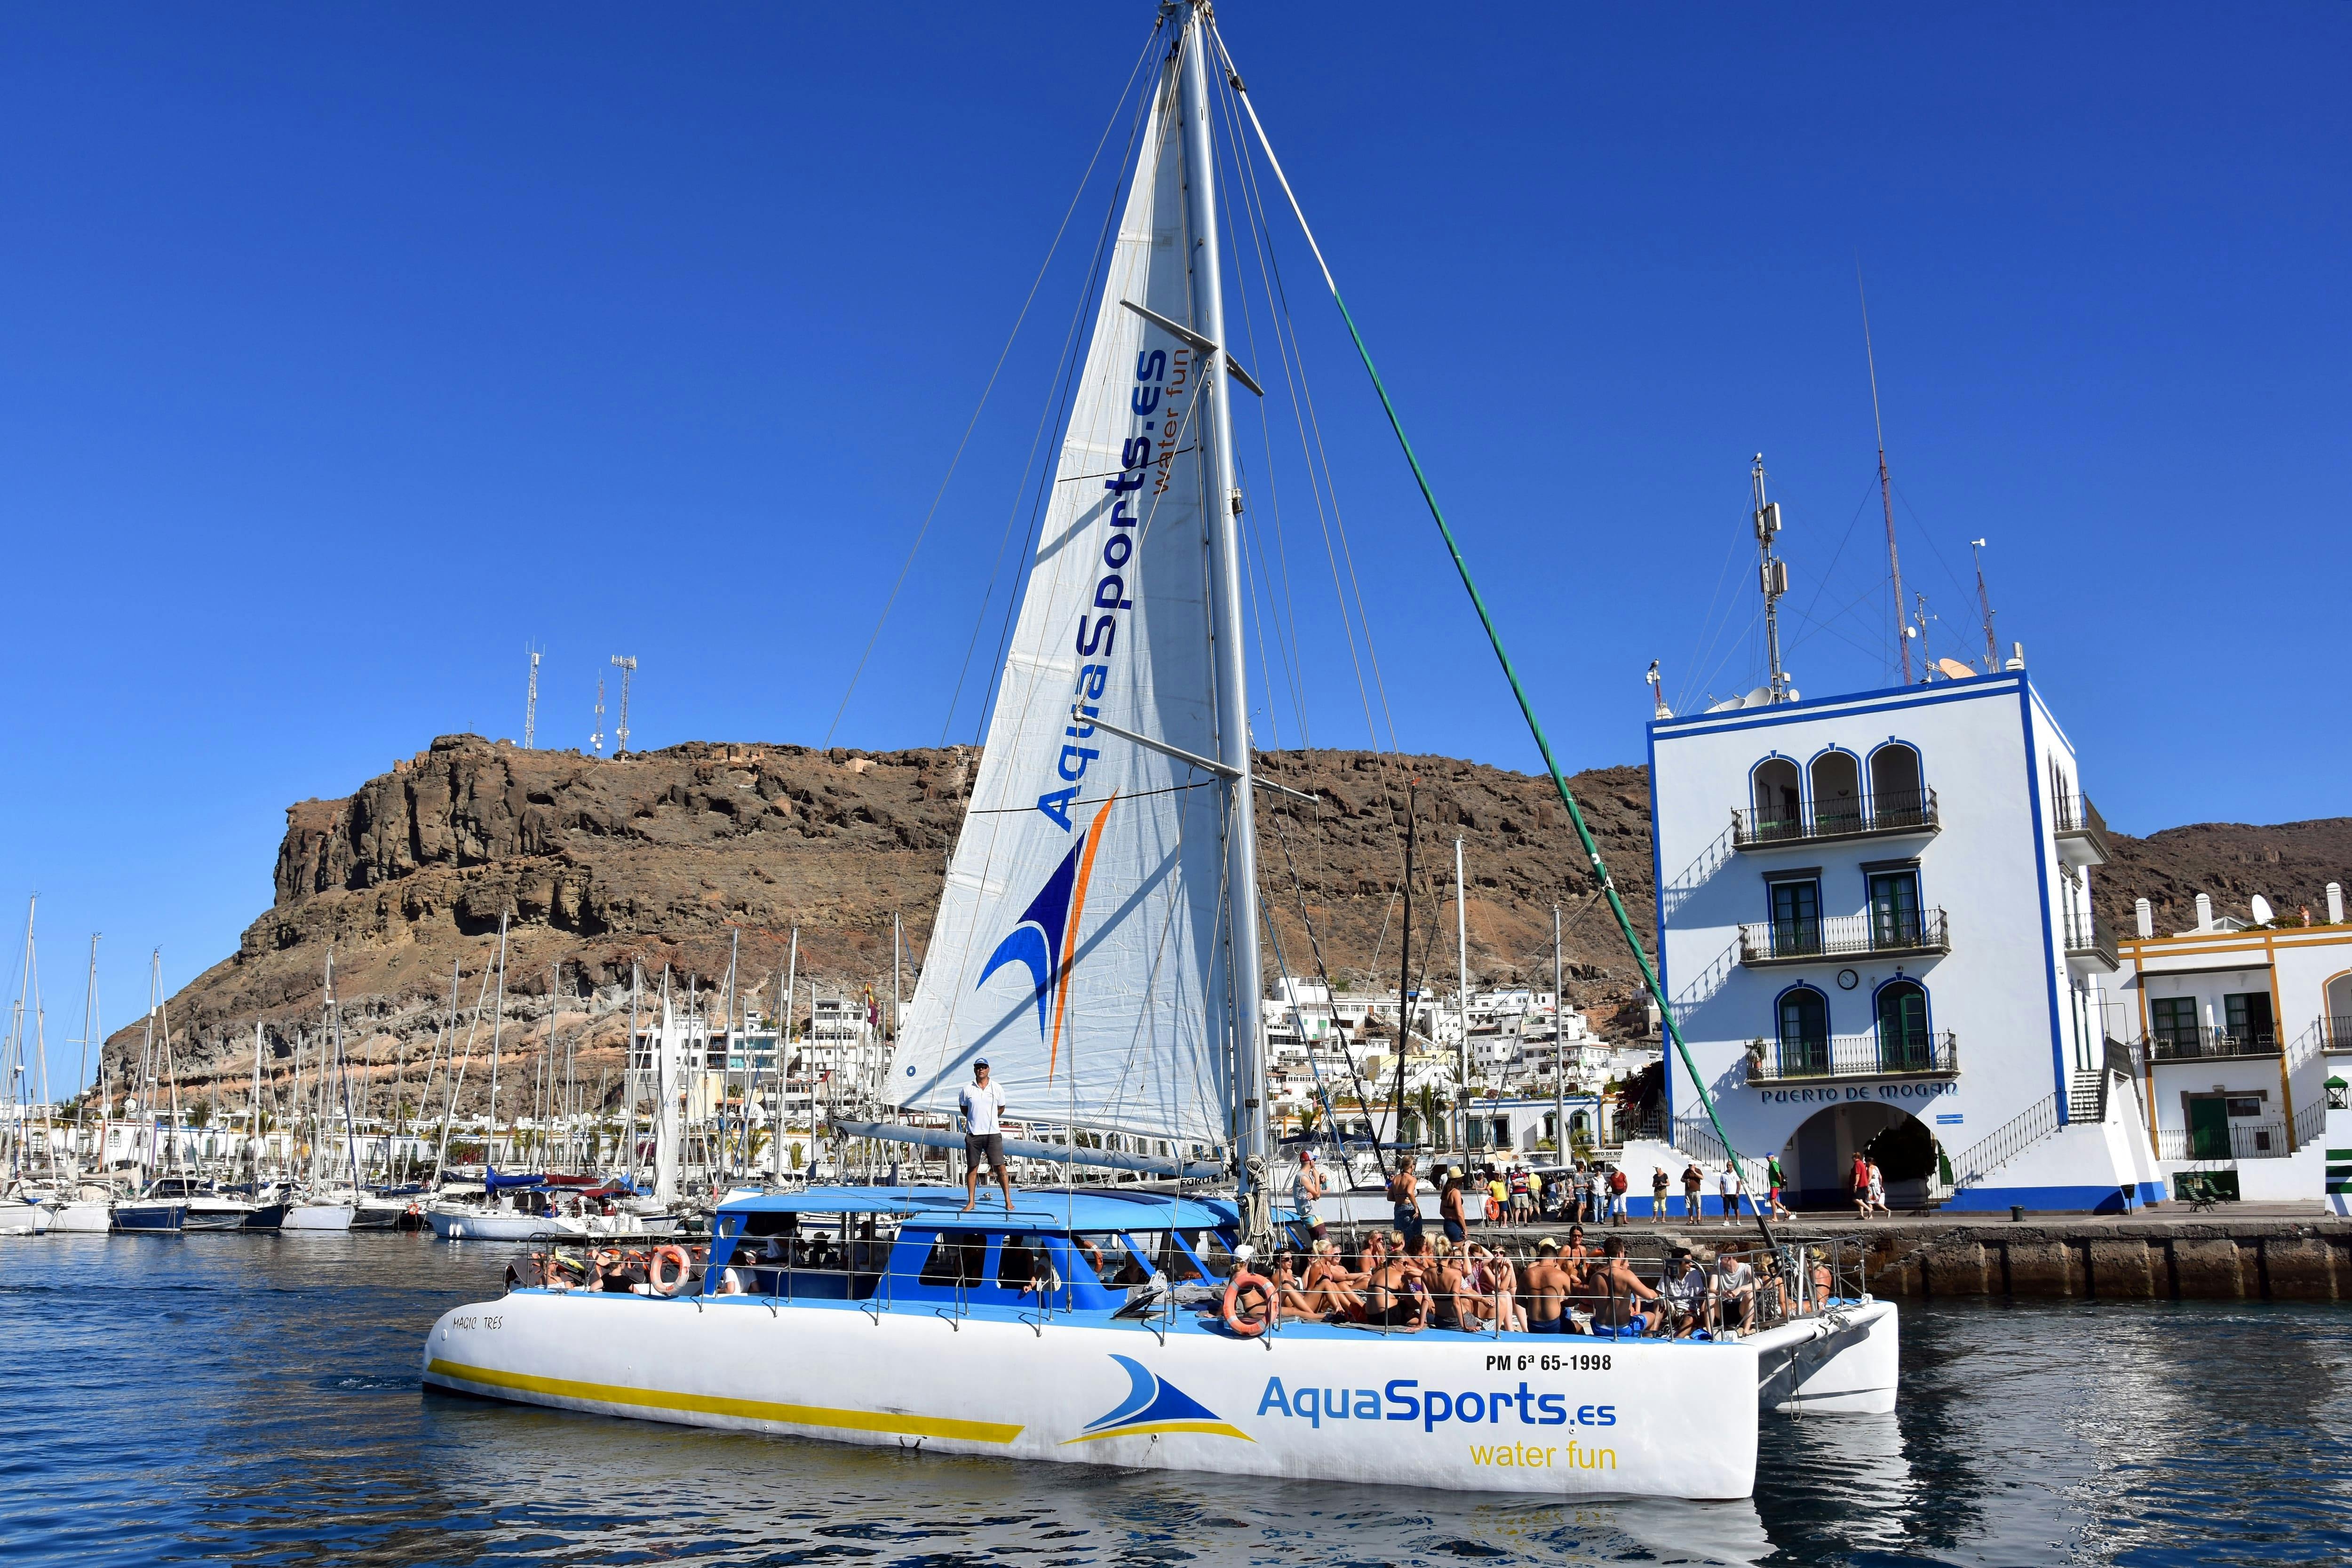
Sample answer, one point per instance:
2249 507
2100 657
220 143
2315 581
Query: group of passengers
1399 1281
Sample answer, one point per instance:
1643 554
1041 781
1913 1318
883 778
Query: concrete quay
2284 1252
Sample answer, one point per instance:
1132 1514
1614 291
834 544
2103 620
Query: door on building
1902 1028
1804 1033
2172 1020
1894 908
2248 1017
2208 1127
1796 919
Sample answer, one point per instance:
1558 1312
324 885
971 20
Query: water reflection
255 1399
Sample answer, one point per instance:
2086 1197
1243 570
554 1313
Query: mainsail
1080 945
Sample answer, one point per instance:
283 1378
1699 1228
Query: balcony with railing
1909 933
2237 1140
2335 1032
1889 813
2090 940
2198 1045
2081 831
1878 1054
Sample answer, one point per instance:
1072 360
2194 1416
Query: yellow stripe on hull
746 1409
1213 1428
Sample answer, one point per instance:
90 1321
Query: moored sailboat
1097 946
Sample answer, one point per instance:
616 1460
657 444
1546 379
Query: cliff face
662 858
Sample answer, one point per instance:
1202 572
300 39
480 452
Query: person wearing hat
981 1105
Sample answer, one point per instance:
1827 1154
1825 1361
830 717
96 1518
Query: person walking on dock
1657 1192
1404 1200
1694 1183
1775 1179
982 1104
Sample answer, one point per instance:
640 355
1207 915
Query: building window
1796 918
1897 798
1902 1027
1837 793
1895 910
1804 1032
2172 1020
2248 1017
1779 802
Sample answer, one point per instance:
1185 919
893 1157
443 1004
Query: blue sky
350 349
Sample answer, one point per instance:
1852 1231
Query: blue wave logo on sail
1153 1404
1045 939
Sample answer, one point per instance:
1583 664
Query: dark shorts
1453 1230
1407 1220
1400 1315
984 1148
1557 1326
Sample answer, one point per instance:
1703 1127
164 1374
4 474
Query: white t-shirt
981 1108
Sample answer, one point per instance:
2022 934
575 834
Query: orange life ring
663 1285
1247 1328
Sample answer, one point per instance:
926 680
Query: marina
1130 1129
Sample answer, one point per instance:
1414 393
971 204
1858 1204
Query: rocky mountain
666 858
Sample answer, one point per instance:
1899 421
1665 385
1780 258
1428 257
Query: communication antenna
530 702
627 665
1658 708
1984 603
1919 630
596 739
1886 486
1772 573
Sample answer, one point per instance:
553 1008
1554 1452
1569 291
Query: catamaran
1097 944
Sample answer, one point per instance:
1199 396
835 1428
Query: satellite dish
2261 908
1953 669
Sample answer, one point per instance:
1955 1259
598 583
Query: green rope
1534 727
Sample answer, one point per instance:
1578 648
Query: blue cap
981 1063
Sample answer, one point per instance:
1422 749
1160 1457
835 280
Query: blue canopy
492 1181
942 1207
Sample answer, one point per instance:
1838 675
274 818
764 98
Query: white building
2240 1030
1874 931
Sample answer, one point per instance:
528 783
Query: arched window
1837 793
1902 1007
2338 1032
1804 1032
1779 800
1897 797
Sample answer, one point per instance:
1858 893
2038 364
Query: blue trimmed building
1875 931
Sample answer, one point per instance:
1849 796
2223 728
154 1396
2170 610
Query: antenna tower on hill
530 702
596 737
627 665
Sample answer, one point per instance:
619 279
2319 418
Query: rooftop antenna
1919 629
627 665
1984 603
1886 486
1773 574
1658 708
596 737
530 702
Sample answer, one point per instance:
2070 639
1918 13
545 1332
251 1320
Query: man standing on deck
982 1104
1404 1199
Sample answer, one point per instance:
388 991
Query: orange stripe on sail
1070 935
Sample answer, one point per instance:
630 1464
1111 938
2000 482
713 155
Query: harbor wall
2215 1258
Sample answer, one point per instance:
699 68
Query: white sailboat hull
24 1219
1561 1415
87 1216
494 1224
318 1216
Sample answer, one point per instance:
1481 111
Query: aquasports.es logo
1046 939
1154 1405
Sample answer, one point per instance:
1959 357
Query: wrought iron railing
2238 1139
2074 815
2091 935
2201 1044
1878 1055
1878 934
2335 1032
1998 1148
1904 811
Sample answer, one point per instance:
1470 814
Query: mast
629 1115
1773 574
253 1111
1462 972
1984 604
1223 508
665 1131
88 1023
1559 1047
784 1048
498 1021
1404 982
1885 488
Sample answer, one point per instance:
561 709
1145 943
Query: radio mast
627 665
1984 603
530 702
596 739
1885 489
1772 573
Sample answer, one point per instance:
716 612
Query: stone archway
1820 1155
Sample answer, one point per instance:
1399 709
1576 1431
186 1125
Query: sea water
253 1399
